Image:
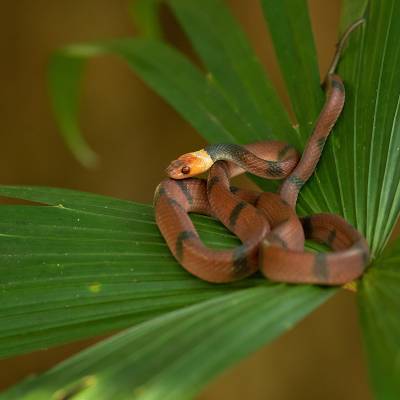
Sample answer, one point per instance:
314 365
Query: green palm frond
85 264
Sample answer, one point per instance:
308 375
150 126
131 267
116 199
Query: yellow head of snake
189 164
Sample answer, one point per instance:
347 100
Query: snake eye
185 170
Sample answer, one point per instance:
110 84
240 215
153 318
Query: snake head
189 164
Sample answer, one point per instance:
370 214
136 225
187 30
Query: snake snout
174 169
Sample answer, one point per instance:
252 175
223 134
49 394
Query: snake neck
227 152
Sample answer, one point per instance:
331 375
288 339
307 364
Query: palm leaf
64 78
86 265
290 28
379 305
358 177
133 363
233 68
170 74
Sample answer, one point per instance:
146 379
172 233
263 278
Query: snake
272 235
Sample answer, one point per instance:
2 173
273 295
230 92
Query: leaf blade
290 28
233 66
168 72
64 78
233 325
379 306
88 264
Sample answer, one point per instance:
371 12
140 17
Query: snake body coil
271 233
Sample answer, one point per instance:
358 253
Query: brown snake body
271 233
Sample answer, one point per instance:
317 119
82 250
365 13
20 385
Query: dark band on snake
321 143
331 237
212 182
184 188
240 263
184 235
233 217
296 181
321 270
274 169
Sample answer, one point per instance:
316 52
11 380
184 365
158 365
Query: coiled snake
271 233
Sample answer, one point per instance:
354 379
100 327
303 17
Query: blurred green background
136 134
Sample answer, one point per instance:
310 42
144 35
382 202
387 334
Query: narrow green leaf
64 79
378 176
196 344
379 306
172 76
86 265
145 16
233 67
290 28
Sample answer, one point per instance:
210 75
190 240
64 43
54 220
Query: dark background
136 134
